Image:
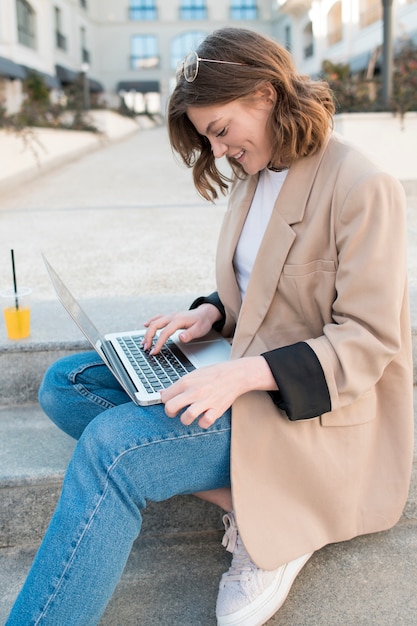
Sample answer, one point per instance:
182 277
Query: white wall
388 140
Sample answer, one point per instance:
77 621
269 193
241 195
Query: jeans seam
82 390
92 397
85 366
105 490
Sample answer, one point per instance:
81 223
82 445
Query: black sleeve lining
213 299
302 388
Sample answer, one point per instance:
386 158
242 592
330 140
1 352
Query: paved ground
121 221
126 220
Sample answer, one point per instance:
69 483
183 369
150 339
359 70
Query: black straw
14 281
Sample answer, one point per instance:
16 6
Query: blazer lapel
238 208
288 210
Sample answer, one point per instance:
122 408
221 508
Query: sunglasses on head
190 64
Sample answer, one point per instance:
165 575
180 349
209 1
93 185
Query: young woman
305 436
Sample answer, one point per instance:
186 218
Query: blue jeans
125 456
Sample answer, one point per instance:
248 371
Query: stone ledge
54 334
369 580
34 454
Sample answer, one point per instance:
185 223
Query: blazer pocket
361 411
308 290
319 265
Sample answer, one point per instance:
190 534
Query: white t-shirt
267 190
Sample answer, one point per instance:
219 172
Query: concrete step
34 454
33 457
178 556
54 334
173 572
171 579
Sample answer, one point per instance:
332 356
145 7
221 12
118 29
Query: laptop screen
71 305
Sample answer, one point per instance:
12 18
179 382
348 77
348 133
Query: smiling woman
238 130
304 437
257 73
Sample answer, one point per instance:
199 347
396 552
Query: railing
142 13
244 13
193 13
138 62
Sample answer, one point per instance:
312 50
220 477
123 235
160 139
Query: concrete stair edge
54 334
34 454
31 491
173 571
367 581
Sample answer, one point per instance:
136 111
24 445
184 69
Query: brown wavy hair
300 120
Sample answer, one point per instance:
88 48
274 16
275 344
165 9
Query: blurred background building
127 50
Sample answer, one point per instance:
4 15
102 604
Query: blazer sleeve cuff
302 388
213 299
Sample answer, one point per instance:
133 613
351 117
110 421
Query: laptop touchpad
206 353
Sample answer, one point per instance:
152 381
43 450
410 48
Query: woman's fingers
195 323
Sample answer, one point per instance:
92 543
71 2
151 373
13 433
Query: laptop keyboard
159 371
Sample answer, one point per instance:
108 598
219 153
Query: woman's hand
208 392
196 323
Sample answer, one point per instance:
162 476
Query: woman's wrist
210 312
254 374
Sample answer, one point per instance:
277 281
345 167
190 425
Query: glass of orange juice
16 311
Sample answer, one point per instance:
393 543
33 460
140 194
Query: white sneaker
248 595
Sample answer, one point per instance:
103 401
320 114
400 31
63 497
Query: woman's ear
267 94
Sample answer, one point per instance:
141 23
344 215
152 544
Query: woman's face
238 130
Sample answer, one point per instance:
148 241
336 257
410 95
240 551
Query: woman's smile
238 129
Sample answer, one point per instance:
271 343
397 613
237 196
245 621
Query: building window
60 39
370 11
335 24
183 44
83 4
243 10
288 38
142 10
26 24
144 52
193 10
308 41
85 54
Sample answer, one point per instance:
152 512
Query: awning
69 77
95 86
360 62
9 69
141 86
65 75
51 82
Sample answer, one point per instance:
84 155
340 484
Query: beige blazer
331 271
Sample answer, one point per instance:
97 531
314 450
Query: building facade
149 37
342 31
129 49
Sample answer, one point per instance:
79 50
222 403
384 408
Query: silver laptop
142 376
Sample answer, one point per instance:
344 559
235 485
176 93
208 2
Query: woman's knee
58 396
55 382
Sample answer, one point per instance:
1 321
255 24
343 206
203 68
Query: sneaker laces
230 536
241 565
